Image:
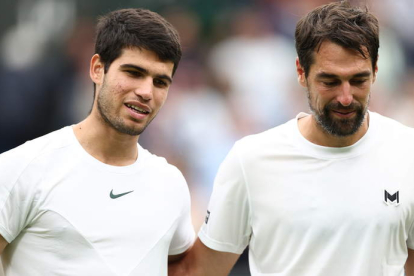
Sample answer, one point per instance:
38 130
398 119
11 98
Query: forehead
335 59
145 59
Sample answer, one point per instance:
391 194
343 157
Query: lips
137 109
344 113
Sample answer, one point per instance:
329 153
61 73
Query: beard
335 126
106 109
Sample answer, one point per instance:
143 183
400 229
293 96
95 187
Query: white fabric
57 214
308 210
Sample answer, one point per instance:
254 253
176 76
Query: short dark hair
141 28
350 27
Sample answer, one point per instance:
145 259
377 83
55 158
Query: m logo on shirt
393 199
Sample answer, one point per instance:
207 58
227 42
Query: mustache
352 106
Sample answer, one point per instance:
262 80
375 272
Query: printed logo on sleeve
207 216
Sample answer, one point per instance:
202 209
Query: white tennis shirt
308 210
65 213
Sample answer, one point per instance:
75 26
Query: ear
96 70
301 73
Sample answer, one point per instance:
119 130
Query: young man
87 199
327 193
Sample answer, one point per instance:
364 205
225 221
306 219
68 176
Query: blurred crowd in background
237 75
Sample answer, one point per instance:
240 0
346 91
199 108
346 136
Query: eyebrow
146 72
324 75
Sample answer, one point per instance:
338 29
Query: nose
345 96
144 89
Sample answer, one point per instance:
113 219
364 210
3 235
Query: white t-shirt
65 213
308 210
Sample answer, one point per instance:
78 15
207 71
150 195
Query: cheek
160 97
119 84
120 87
363 94
319 98
318 102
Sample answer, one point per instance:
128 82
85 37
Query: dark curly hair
141 28
339 22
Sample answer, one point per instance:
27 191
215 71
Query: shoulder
277 137
17 160
252 150
159 165
392 128
393 135
164 177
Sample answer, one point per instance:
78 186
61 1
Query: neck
313 132
105 143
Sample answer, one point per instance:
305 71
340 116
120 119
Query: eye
134 73
330 83
358 82
160 83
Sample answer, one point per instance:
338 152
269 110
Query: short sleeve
227 224
184 235
16 197
410 238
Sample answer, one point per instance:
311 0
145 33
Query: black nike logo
118 195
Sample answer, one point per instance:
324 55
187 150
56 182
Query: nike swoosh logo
118 195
